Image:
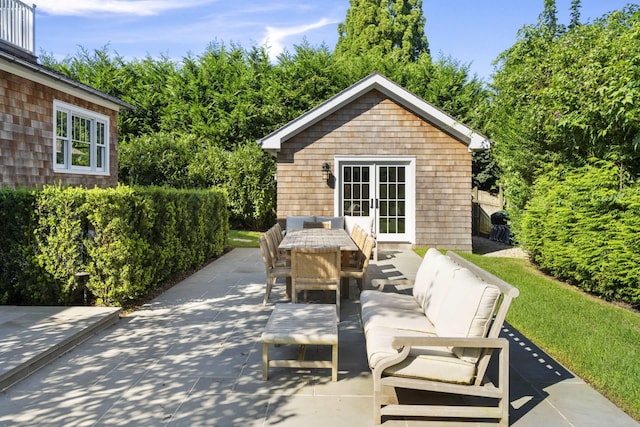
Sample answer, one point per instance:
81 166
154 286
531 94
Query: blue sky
471 31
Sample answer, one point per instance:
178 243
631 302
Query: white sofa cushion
425 275
366 222
466 310
434 363
295 222
440 286
336 221
397 311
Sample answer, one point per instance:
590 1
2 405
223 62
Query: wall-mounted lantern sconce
326 171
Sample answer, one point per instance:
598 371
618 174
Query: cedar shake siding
375 125
26 135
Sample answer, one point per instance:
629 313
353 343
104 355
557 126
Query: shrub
17 261
128 240
581 227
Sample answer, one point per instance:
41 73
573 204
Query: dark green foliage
128 240
580 227
17 260
251 187
157 159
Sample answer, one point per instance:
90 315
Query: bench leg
265 361
334 362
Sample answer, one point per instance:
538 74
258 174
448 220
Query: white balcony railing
17 24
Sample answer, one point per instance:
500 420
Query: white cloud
275 37
125 7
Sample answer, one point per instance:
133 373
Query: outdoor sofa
439 338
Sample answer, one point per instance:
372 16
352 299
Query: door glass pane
392 197
392 174
356 190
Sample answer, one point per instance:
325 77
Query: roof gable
398 94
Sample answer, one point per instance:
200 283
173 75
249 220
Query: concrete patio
192 357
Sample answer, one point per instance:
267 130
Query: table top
302 324
318 238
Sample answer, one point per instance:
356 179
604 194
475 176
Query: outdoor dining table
321 238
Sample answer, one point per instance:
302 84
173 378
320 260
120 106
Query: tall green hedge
583 226
128 241
18 265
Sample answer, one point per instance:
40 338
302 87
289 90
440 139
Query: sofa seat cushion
432 363
397 311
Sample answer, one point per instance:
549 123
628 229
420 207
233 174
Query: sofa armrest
476 342
381 284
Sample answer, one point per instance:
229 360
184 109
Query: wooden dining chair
273 272
358 235
358 269
316 269
278 258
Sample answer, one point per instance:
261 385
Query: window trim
95 118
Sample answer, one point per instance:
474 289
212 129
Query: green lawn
243 239
598 341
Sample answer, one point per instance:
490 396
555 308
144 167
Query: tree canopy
382 28
567 99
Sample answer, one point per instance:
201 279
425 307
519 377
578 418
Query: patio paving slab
192 357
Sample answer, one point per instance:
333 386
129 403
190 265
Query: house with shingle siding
53 129
387 155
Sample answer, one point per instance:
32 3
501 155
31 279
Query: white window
81 141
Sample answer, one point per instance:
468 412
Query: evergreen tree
575 13
382 28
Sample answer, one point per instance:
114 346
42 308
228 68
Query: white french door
382 190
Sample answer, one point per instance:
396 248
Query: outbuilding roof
272 142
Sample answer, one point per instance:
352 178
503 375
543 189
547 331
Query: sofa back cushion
425 275
467 310
295 222
366 222
438 288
